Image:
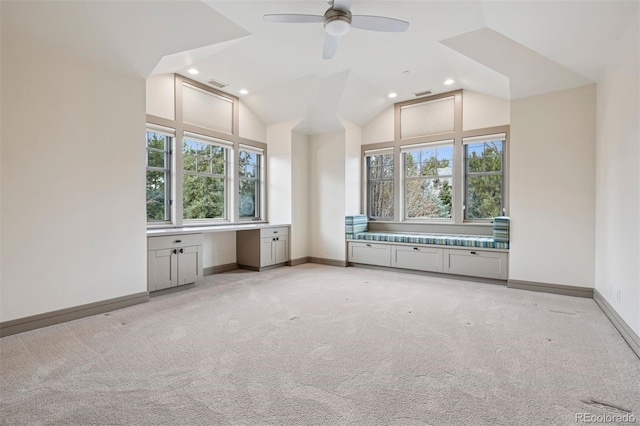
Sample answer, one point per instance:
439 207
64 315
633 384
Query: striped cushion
501 229
443 240
356 224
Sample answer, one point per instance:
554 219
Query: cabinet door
281 250
267 252
163 271
370 253
420 258
476 263
187 265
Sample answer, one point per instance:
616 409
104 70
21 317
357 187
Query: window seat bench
469 255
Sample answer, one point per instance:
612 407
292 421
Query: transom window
428 176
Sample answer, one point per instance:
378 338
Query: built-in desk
174 255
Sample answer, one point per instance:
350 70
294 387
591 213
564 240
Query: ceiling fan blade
293 19
330 46
343 5
379 23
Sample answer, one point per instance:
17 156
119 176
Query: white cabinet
262 248
369 253
477 263
419 257
174 260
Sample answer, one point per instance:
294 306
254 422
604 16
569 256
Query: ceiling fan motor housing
337 22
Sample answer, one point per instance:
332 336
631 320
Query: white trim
379 151
407 148
156 128
485 138
250 148
207 139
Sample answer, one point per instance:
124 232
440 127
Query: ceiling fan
338 20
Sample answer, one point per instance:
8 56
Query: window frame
167 170
367 179
259 183
404 149
234 141
503 158
225 175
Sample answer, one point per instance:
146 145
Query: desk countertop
157 232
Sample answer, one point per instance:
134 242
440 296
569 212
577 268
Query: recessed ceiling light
392 95
193 71
449 82
243 91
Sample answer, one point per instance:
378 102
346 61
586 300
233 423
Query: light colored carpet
315 344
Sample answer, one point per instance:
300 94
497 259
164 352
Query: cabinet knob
178 241
368 245
416 248
473 252
175 251
181 250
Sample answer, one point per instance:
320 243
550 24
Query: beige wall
618 180
250 126
160 96
353 168
300 220
552 193
327 195
480 111
73 210
380 129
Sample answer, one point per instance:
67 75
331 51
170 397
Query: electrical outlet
619 295
218 256
326 249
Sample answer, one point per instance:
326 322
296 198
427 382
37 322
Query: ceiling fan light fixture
337 27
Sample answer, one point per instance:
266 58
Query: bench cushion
501 229
356 224
444 240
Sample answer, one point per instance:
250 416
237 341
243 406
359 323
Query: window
158 163
379 166
428 175
484 175
250 177
205 166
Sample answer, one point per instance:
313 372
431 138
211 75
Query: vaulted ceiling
504 49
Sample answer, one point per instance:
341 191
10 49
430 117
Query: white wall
380 129
279 171
218 248
73 211
250 126
299 196
618 180
327 195
353 168
552 188
160 96
480 111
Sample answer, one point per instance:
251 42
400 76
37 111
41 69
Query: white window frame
168 170
367 181
503 173
404 149
227 176
259 208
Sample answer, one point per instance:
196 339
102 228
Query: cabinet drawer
170 241
476 263
274 232
420 258
370 253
